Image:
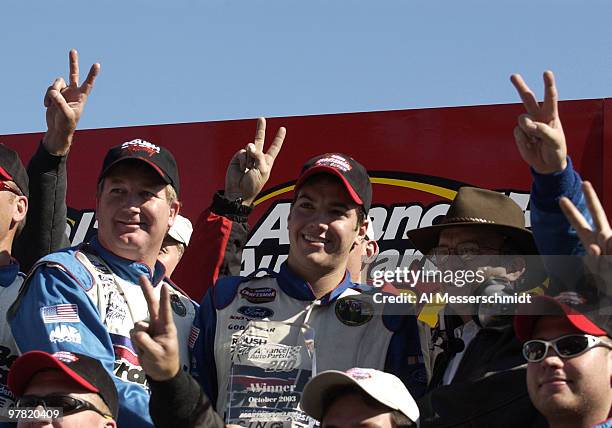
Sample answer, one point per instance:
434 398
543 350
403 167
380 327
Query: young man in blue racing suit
327 219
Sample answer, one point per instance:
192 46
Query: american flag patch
193 336
60 313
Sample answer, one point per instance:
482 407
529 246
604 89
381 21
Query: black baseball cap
353 175
589 314
11 169
160 159
85 371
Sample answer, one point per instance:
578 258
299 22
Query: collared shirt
467 332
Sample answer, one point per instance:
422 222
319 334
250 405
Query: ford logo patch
258 312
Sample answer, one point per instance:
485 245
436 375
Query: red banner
416 158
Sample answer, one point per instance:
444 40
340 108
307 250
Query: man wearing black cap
74 384
567 344
86 299
483 232
310 309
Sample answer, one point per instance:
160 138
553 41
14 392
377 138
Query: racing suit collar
128 270
296 287
8 273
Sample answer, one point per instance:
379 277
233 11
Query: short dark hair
399 419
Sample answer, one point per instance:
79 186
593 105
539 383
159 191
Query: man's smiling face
133 211
569 386
322 225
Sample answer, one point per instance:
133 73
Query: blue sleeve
404 356
552 232
556 239
80 332
204 350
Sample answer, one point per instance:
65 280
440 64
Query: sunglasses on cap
67 403
568 346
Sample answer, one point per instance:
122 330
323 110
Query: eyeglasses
5 186
568 346
465 250
67 403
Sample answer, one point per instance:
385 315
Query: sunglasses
5 186
67 403
568 346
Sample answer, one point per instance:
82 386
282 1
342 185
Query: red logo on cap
335 161
65 357
358 374
139 145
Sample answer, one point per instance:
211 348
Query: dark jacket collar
298 288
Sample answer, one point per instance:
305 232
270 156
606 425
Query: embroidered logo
353 312
139 145
60 313
65 333
334 161
177 306
258 312
258 295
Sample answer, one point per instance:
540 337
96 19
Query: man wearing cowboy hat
483 232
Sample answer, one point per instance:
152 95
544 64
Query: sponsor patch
358 373
65 333
258 295
353 312
65 357
60 313
258 312
128 372
193 336
336 162
139 145
177 306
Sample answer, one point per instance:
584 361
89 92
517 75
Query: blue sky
201 60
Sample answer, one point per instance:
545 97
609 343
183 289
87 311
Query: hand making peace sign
250 168
539 135
156 341
598 242
65 104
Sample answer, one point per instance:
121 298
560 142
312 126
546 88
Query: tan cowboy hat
474 207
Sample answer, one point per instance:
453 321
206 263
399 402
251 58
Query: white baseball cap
181 230
385 388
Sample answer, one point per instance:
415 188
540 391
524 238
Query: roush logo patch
258 295
139 145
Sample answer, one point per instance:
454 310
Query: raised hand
539 135
156 341
250 168
598 242
65 104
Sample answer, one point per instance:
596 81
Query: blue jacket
62 279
